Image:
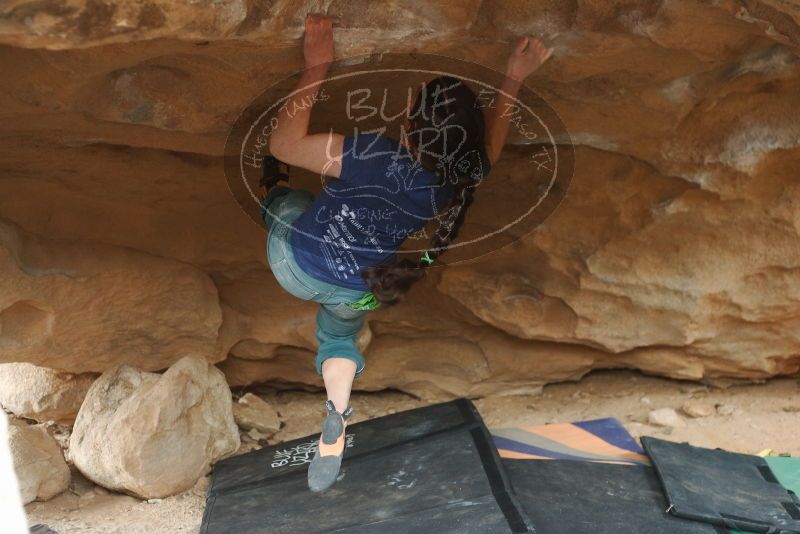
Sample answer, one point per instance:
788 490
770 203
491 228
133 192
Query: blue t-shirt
382 196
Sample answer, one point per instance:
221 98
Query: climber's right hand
318 40
528 55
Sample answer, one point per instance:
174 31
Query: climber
340 249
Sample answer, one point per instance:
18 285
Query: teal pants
337 323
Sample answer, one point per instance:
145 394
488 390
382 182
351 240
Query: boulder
42 394
253 413
11 510
154 435
666 417
39 463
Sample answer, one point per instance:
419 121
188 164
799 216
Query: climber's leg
339 361
338 374
337 330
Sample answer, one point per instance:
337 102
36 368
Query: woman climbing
334 249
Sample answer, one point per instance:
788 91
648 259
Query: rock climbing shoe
324 468
272 172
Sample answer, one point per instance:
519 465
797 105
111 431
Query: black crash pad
723 488
432 469
567 496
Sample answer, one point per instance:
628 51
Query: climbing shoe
272 172
324 467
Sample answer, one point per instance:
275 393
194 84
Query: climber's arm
290 141
499 117
523 61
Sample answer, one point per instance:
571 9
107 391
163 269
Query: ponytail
462 166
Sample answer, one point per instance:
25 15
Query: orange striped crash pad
597 440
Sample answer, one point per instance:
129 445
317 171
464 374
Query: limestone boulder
38 461
42 394
154 435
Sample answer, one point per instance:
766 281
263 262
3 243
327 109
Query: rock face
42 394
38 462
154 435
84 306
676 249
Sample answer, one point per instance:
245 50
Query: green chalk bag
368 301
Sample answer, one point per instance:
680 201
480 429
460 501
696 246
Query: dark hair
448 132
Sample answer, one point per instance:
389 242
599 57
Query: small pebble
666 417
698 408
201 486
638 429
726 409
256 435
86 498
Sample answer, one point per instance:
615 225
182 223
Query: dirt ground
744 418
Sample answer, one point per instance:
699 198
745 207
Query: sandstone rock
698 408
88 23
458 366
666 417
86 306
297 371
201 486
11 509
255 435
253 413
42 394
154 435
38 462
675 250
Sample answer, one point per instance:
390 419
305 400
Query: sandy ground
745 418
